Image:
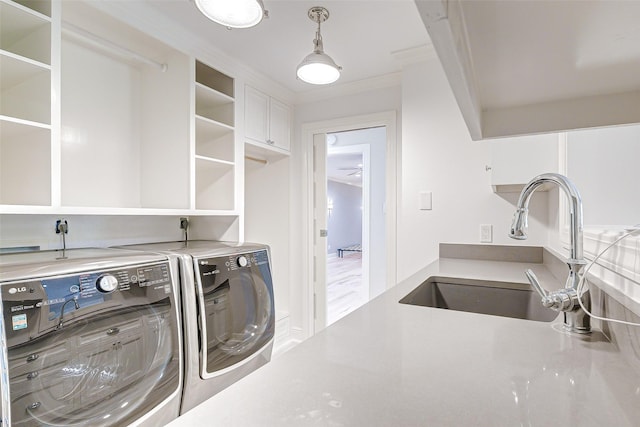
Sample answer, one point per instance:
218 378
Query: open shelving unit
125 116
25 110
99 117
214 142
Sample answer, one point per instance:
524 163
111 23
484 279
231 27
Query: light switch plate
486 233
425 203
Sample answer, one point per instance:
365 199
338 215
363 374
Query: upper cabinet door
256 115
280 125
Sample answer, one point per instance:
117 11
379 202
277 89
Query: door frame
387 119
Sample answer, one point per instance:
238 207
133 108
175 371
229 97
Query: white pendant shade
318 69
233 13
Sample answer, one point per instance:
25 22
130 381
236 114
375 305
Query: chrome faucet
566 299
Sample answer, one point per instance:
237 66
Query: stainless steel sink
515 300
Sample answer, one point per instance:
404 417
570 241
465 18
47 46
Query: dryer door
236 297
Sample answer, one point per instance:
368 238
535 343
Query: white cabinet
267 120
515 161
25 109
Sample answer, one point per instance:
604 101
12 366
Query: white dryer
228 312
93 339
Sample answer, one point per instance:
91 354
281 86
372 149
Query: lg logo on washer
16 290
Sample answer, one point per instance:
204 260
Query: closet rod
255 159
97 40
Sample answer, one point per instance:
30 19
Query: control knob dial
242 261
107 283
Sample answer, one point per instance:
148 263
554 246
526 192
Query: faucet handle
535 284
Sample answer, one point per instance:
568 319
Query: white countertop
391 364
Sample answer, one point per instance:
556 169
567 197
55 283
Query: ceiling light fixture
318 68
233 13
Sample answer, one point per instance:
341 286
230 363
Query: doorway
350 261
314 211
348 175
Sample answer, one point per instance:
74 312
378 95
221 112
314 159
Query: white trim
444 20
387 119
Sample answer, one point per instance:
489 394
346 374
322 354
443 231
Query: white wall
87 230
266 219
345 221
603 164
439 156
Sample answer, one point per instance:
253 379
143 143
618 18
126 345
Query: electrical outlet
62 226
486 233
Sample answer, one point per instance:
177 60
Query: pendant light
318 68
233 13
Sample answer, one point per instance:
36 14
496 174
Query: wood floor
345 290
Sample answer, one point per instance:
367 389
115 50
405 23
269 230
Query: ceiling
584 45
343 167
531 66
359 35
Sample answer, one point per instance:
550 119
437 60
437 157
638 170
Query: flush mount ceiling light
318 68
233 13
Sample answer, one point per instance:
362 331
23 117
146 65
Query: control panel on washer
34 306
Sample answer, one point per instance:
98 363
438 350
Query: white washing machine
228 312
93 339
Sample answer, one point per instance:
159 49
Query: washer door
237 301
106 371
97 365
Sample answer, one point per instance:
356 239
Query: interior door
320 231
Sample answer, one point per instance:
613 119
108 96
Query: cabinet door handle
32 375
113 331
32 357
34 405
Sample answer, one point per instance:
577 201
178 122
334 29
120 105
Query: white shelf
214 105
25 164
214 160
25 88
25 32
13 127
214 79
210 129
214 140
16 69
41 8
15 209
211 96
214 184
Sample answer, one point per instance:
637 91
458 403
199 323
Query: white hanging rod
97 40
255 159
